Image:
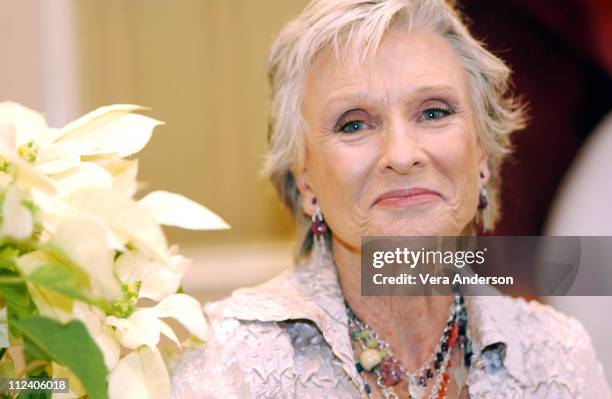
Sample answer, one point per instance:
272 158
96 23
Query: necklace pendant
390 371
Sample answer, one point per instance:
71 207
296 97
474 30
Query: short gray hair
356 27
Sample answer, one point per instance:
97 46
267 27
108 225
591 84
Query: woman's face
392 149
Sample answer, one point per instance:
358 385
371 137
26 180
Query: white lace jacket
288 338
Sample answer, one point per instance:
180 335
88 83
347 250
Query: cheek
457 157
341 170
339 173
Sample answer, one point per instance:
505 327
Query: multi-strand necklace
376 357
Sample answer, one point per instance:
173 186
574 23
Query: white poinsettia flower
21 133
17 220
81 153
123 219
157 279
81 189
14 168
143 327
100 137
176 210
129 221
141 374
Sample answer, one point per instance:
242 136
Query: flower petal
29 125
87 174
158 279
75 127
26 175
57 158
75 388
126 218
130 266
141 374
187 311
176 210
17 219
110 130
124 172
8 136
141 328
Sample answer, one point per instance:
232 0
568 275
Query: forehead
405 62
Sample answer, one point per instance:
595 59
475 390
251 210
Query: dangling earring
483 198
318 228
483 202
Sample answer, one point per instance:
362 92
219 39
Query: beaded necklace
378 358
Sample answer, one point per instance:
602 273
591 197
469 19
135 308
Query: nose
402 151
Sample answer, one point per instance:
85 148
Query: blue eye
353 127
435 113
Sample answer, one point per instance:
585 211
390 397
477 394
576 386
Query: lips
412 196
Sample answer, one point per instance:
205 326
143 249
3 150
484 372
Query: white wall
584 208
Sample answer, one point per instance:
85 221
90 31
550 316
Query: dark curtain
561 55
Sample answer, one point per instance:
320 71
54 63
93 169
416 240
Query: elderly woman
387 118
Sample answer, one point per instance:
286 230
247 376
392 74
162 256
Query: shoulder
225 365
542 322
545 326
546 349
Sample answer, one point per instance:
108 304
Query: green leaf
18 302
70 345
33 352
62 280
36 395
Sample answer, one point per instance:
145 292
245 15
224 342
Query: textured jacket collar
311 291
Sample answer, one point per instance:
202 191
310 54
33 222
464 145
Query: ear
484 173
306 193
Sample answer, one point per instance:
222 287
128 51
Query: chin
413 228
427 224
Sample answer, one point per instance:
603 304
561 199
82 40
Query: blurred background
200 66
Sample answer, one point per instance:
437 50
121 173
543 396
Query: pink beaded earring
483 199
483 203
318 227
320 256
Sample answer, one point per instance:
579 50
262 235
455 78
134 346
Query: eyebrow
366 95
